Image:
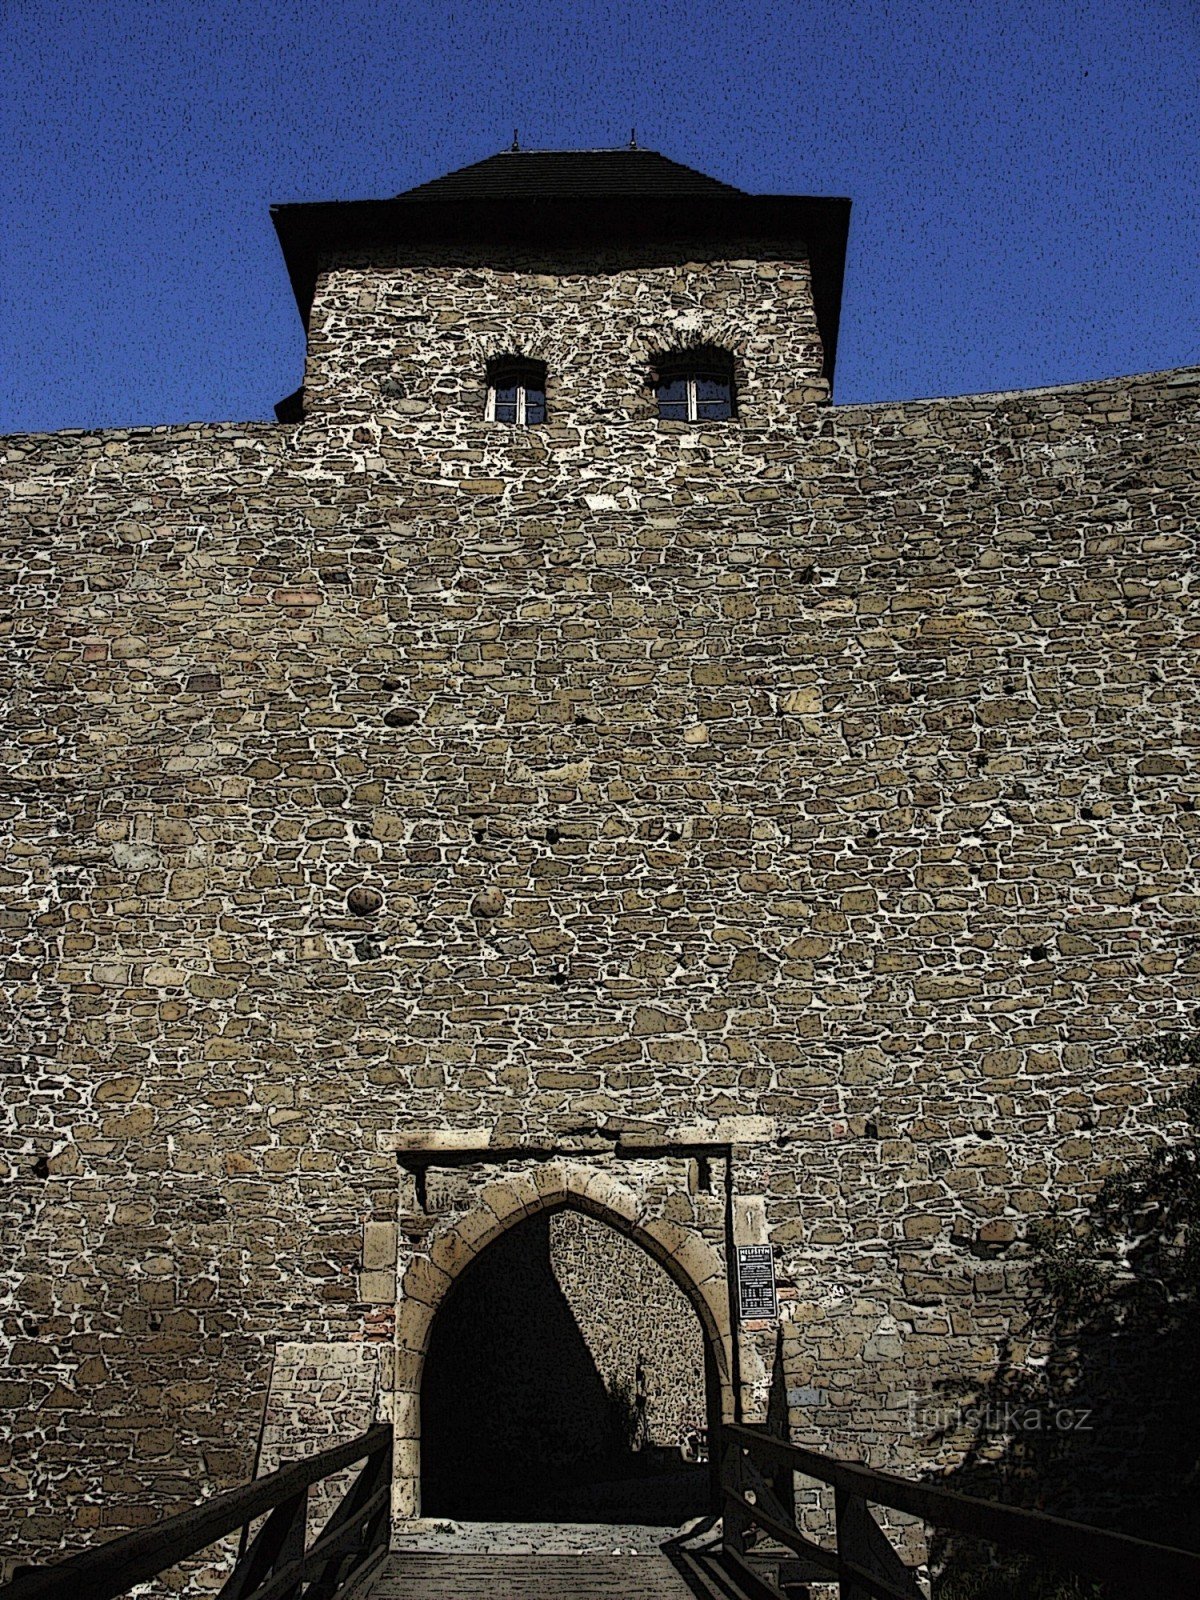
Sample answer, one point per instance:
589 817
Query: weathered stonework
407 336
834 767
647 1344
318 1395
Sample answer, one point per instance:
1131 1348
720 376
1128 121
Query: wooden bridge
755 1552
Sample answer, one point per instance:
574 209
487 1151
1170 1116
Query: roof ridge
585 150
608 169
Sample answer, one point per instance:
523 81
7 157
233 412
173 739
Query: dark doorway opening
567 1379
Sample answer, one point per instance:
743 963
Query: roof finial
633 144
514 146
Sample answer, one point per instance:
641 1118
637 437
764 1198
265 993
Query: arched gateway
441 1295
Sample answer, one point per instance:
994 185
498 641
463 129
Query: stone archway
688 1258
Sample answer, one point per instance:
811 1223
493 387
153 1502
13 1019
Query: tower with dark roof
591 262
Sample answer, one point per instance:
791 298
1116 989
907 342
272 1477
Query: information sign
756 1281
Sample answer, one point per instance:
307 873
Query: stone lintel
432 1141
715 1133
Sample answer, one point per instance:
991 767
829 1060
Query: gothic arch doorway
500 1197
567 1379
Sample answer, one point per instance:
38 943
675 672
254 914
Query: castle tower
569 890
590 263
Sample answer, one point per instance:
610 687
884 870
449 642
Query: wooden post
852 1542
291 1546
735 1523
278 1543
862 1541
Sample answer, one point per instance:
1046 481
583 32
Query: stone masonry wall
639 1328
319 1395
409 336
837 768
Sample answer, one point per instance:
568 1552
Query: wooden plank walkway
417 1575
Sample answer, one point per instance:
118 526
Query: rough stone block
379 1246
377 1288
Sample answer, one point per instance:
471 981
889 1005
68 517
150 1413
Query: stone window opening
694 385
516 391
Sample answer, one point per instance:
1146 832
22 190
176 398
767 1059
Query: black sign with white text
756 1281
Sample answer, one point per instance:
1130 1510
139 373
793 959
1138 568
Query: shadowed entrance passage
565 1381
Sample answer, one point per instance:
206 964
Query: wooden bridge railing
865 1564
276 1566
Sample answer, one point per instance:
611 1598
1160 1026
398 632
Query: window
516 391
694 386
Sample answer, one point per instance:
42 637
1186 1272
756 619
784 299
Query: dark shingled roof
569 174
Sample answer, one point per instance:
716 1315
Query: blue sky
1024 172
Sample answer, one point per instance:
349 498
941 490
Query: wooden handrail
110 1569
797 1542
1095 1552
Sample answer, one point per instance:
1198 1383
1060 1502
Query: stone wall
643 1335
320 1395
408 335
835 768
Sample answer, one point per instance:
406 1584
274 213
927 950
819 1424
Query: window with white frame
516 391
694 386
